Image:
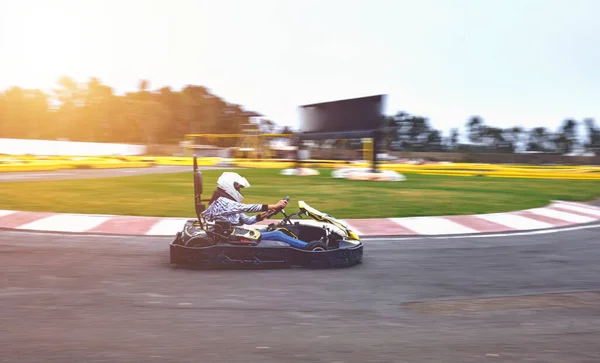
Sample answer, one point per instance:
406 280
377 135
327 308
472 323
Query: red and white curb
557 214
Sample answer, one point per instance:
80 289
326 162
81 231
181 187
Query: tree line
414 133
93 112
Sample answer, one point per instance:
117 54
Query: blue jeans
282 237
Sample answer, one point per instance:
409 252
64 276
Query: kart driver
225 204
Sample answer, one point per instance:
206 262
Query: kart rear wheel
316 246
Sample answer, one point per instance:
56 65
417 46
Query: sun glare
42 44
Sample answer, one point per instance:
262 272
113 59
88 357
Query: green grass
171 195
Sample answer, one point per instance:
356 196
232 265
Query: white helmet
231 184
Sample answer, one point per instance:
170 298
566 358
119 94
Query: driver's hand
281 204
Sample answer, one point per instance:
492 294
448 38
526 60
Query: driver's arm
244 219
252 208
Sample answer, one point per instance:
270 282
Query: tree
493 140
418 133
513 137
13 110
24 113
565 140
174 125
92 112
194 109
593 142
390 133
454 139
434 141
69 96
401 124
475 129
410 132
95 118
539 140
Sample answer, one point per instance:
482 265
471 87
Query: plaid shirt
232 211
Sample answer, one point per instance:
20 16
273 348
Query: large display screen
356 114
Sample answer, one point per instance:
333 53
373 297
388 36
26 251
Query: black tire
316 246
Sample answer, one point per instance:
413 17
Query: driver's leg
280 236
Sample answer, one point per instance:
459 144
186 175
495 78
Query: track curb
555 215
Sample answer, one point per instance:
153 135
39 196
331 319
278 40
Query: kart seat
223 226
198 188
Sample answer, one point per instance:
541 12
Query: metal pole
376 136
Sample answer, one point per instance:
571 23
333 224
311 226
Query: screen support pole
297 143
376 136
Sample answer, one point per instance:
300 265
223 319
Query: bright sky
514 62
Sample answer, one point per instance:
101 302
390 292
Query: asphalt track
520 298
526 298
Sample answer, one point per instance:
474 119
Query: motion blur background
468 76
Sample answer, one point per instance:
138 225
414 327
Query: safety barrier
28 163
49 163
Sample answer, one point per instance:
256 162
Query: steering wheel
278 210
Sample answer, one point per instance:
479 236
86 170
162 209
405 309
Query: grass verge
171 195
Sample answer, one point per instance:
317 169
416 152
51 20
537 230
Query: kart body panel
323 217
193 247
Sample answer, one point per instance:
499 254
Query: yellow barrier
489 170
14 168
263 164
33 163
30 164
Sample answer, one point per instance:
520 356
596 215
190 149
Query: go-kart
330 242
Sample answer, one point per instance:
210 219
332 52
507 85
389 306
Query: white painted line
530 233
515 221
47 174
586 206
489 235
432 225
65 223
6 212
167 227
569 217
28 176
578 208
